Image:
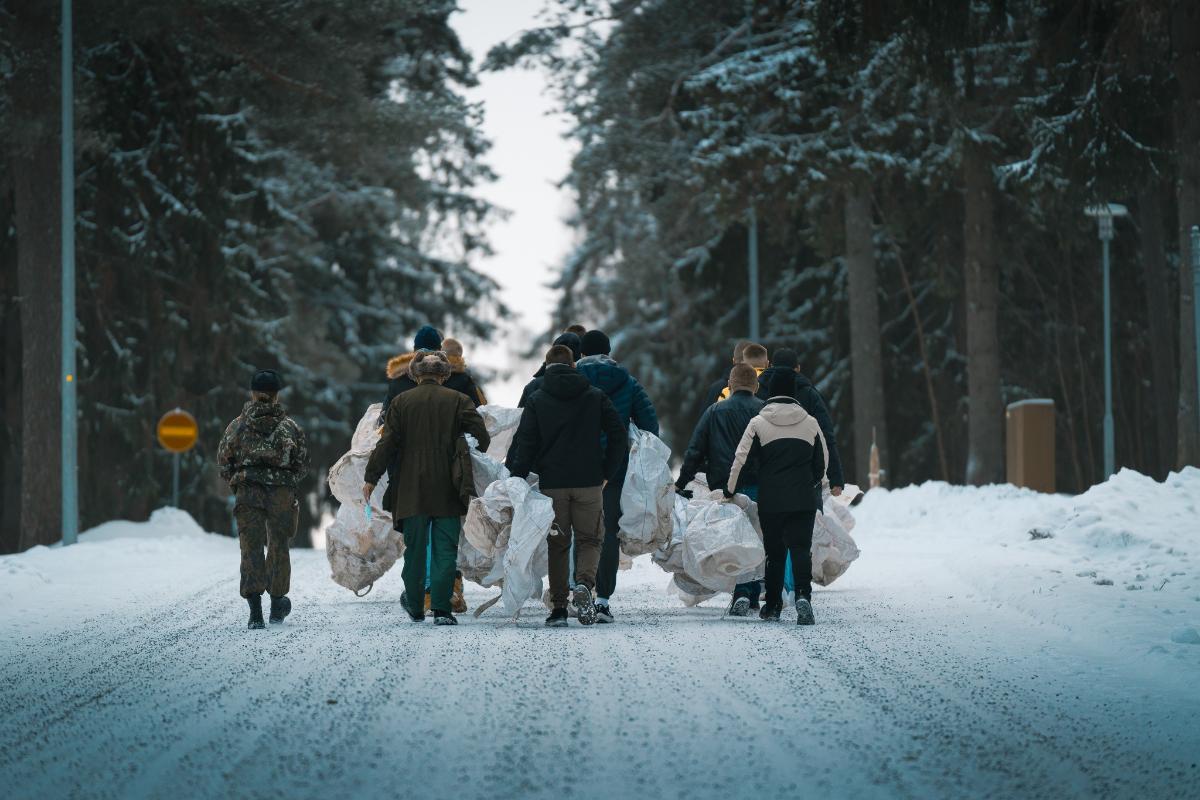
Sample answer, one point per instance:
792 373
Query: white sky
529 156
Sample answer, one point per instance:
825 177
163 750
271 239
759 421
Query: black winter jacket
534 384
715 441
784 441
560 432
713 394
814 404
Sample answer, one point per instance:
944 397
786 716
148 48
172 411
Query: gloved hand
686 494
728 494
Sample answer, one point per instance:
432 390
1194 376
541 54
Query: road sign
177 431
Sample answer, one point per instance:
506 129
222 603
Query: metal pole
1196 304
753 259
175 481
70 474
1109 446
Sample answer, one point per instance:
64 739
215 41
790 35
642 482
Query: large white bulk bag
501 424
646 497
832 548
360 550
720 546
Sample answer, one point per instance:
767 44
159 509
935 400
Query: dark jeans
751 589
610 553
783 533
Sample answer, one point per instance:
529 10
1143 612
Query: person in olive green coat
423 428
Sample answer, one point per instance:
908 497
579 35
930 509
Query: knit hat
427 338
783 383
743 377
266 380
430 364
785 357
572 341
595 343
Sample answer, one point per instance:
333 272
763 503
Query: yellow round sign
177 431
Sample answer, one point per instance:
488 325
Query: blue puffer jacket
626 393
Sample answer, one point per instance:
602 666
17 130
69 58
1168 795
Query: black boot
415 617
256 619
280 608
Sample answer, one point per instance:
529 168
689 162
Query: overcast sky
530 155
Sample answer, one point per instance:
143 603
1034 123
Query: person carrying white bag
785 443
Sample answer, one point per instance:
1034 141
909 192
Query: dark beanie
427 339
595 343
785 357
572 341
783 383
266 380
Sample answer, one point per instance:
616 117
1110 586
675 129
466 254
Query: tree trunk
1185 32
34 167
10 380
866 357
985 413
1164 402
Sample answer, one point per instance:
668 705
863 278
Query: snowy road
951 661
894 694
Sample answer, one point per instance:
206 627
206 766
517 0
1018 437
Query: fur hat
430 364
427 338
595 343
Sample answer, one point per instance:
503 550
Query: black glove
728 494
686 494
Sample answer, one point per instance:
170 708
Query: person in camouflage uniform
264 457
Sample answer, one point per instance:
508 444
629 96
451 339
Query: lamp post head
1104 214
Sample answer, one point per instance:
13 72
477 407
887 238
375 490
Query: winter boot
585 609
458 603
557 618
280 607
414 616
804 612
769 612
740 607
604 614
443 618
256 618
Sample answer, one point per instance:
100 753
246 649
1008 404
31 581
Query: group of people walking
765 432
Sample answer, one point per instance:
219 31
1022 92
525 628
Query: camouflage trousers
266 518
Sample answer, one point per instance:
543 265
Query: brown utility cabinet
1030 450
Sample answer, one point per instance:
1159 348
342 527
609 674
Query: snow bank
1114 567
115 566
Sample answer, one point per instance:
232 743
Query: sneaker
444 618
804 612
754 604
769 612
411 614
280 608
740 607
585 609
604 614
557 618
256 619
458 603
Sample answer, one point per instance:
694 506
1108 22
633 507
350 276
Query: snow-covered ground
959 657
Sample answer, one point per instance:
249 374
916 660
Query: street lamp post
70 475
752 257
1196 304
1104 215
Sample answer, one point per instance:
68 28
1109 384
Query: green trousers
418 533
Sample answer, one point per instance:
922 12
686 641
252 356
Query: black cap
572 341
266 380
595 343
785 357
783 384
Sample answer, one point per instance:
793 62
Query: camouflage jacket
264 446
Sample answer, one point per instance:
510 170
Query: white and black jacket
785 442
